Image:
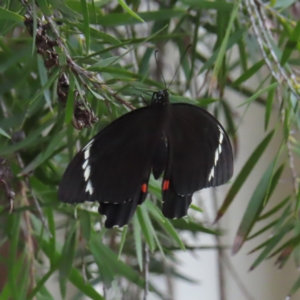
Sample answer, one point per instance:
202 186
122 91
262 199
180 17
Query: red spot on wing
166 184
144 187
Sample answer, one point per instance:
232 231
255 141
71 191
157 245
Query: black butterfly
182 141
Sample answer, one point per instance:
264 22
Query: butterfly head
160 98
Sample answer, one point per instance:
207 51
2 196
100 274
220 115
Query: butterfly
181 142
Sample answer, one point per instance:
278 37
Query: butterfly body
181 141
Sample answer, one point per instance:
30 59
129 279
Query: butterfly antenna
161 74
182 57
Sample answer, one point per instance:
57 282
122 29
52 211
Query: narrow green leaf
291 44
105 267
242 48
221 6
110 61
44 294
164 223
244 173
221 54
68 9
186 224
272 86
85 287
44 79
70 99
43 156
258 200
249 73
294 288
67 257
118 19
296 251
85 224
4 133
196 208
138 241
181 99
253 209
169 228
206 101
9 15
41 283
282 219
259 232
269 105
112 262
46 86
51 225
275 209
271 245
123 239
146 226
233 39
286 250
75 277
95 33
96 95
34 16
5 292
31 140
128 10
43 5
23 284
286 123
155 211
158 242
231 128
13 226
86 22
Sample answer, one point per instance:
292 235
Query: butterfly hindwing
120 214
199 156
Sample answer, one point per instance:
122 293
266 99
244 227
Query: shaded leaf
9 15
128 10
271 244
258 200
146 226
138 241
244 173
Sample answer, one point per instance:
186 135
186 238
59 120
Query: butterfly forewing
72 188
112 167
200 150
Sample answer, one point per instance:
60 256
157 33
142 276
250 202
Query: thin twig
220 252
276 13
260 32
104 291
263 28
28 236
292 166
224 260
146 271
26 179
260 41
236 277
93 79
290 79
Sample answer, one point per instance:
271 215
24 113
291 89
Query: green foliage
62 58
